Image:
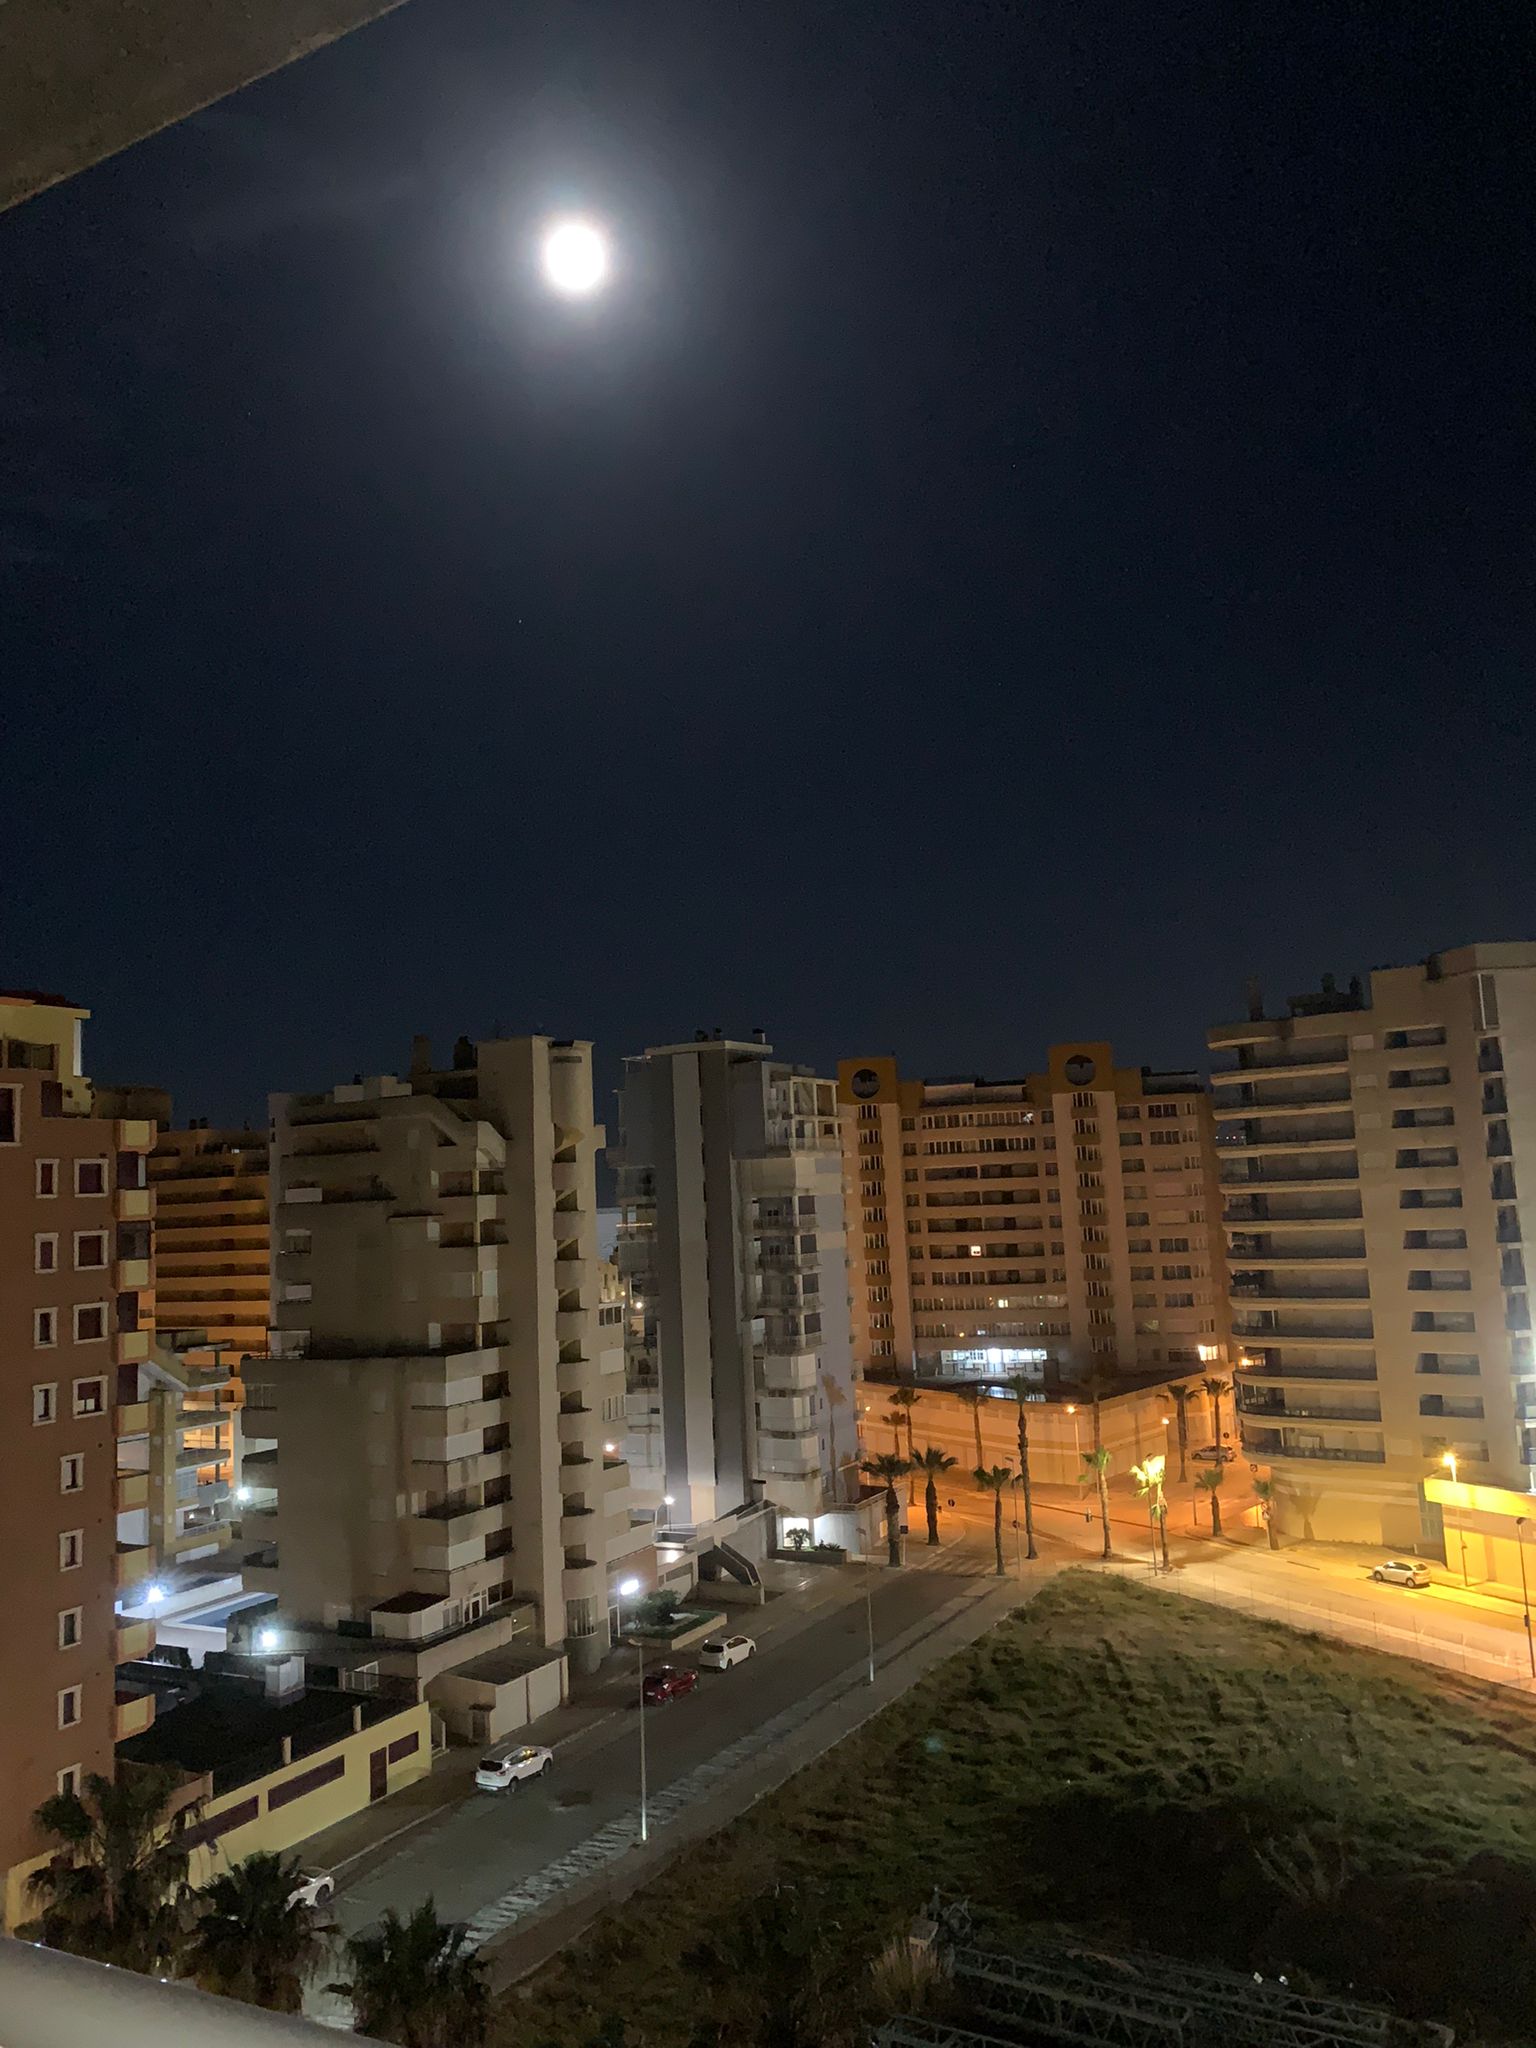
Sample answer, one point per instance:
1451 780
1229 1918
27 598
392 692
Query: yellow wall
289 1824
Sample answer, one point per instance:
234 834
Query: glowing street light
574 257
268 1639
628 1589
1448 1459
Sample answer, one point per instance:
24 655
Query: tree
897 1419
906 1399
117 1892
973 1398
1215 1388
1211 1482
1149 1487
798 1539
1096 1469
252 1938
995 1479
1264 1493
414 1982
887 1469
1021 1389
1181 1398
933 1463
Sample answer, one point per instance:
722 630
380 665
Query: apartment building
213 1241
75 1306
1048 1225
438 1477
733 1243
1378 1158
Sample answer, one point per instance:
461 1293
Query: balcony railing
1325 1453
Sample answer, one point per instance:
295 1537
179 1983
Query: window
10 1116
1167 1138
71 1473
45 1252
45 1403
47 1178
90 1176
91 1397
71 1550
90 1250
1178 1272
1162 1109
69 1779
69 1627
1178 1301
1173 1244
306 1781
90 1322
45 1327
69 1707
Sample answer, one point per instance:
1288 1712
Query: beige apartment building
445 1375
732 1239
1378 1159
213 1241
1048 1225
76 1306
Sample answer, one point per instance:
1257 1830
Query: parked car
504 1768
721 1652
314 1888
667 1682
1214 1454
1402 1571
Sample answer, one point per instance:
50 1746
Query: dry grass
1161 1770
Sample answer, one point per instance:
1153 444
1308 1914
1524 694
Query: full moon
574 254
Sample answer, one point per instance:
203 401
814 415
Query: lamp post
1525 1597
1077 1439
628 1588
1448 1458
869 1625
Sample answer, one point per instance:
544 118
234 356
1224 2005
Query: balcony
1262 1446
1291 1373
791 1412
135 1205
574 1426
132 1640
1331 1100
580 1530
135 1713
131 1565
1261 1174
787 1372
132 1491
1272 1414
130 1347
132 1274
132 1419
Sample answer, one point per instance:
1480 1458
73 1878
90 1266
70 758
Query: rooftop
230 1728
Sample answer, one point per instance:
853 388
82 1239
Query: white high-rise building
733 1243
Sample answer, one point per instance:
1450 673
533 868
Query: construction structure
76 1313
1057 1225
1378 1161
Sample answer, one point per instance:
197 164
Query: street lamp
1525 1596
1077 1441
627 1590
1448 1458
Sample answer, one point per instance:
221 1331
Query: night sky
1039 530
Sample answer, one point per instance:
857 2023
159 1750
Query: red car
667 1682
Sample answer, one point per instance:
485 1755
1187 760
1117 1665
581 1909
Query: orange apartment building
76 1306
1041 1226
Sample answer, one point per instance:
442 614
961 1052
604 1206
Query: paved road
470 1854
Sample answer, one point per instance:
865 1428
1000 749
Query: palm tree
933 1462
1264 1494
887 1469
1215 1388
896 1418
1149 1487
1021 1389
906 1399
118 1889
1211 1482
1096 1462
253 1939
995 1479
414 1982
1096 1469
973 1398
1181 1398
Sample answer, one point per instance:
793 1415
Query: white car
504 1768
314 1888
721 1652
1402 1571
1214 1454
